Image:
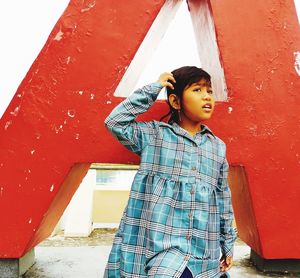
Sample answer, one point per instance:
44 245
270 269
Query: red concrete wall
53 128
257 44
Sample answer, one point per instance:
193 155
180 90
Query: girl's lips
207 107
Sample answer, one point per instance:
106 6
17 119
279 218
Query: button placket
190 214
194 160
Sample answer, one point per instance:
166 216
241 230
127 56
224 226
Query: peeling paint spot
89 33
1 164
92 96
80 92
71 113
88 6
32 152
54 80
52 187
8 123
30 220
38 136
297 62
260 86
77 136
68 59
57 129
230 109
27 172
15 112
58 36
108 102
1 191
231 139
253 129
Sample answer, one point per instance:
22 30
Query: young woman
178 219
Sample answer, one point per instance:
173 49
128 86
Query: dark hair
185 77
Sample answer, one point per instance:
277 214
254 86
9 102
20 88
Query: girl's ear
174 101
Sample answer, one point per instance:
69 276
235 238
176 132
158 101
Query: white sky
26 25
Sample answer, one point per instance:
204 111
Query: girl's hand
163 80
226 263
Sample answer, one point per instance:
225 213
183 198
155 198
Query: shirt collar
204 129
177 128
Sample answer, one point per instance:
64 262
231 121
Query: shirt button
186 258
188 237
190 215
194 168
192 191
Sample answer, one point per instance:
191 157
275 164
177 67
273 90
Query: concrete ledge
14 268
279 266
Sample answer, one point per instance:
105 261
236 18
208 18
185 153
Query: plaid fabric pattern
179 213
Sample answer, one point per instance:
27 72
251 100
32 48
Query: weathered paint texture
53 128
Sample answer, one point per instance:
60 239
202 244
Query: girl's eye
199 90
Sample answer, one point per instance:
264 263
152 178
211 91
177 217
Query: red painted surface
257 45
53 128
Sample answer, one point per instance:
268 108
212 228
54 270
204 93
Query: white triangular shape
171 43
176 48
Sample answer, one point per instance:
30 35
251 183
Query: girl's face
198 101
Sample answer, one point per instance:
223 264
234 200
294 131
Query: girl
178 219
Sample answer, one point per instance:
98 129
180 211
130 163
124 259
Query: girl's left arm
227 232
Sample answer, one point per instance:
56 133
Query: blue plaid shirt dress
179 213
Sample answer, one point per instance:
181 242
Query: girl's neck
190 126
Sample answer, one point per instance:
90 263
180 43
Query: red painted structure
53 128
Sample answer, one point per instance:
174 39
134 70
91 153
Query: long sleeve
227 232
122 124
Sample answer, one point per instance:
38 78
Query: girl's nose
206 96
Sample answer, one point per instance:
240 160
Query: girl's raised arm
121 121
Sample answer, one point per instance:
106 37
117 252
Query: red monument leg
53 128
259 45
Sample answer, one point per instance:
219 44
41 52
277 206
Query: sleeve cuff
228 252
153 89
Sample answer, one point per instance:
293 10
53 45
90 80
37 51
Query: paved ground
60 257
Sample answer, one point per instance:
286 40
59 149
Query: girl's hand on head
226 263
163 80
